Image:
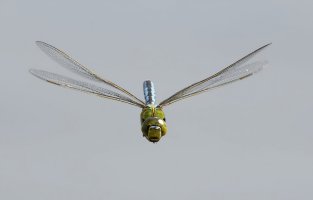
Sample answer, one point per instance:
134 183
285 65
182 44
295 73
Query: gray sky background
250 140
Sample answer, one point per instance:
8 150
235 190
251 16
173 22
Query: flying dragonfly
152 117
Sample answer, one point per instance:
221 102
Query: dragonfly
152 117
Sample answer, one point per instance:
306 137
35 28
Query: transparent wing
82 86
221 80
69 63
234 72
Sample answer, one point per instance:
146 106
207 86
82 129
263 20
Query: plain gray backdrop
249 140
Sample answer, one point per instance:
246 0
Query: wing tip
32 71
36 72
38 42
266 45
43 45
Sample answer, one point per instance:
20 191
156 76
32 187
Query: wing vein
69 63
82 86
233 72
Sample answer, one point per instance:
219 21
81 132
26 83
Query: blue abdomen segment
149 92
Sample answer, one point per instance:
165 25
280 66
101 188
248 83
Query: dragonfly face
152 117
153 124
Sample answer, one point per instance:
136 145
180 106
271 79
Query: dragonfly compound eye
153 129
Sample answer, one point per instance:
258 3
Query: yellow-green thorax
153 124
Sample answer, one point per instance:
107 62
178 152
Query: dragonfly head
153 124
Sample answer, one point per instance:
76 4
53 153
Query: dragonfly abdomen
149 92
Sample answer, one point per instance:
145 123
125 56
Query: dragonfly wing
82 86
221 80
66 61
235 71
69 63
238 73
